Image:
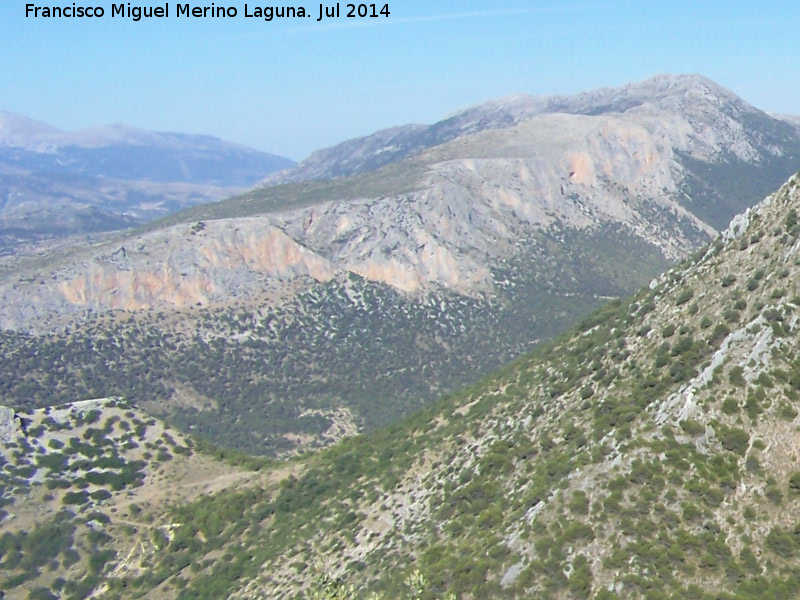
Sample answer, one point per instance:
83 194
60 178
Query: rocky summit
696 101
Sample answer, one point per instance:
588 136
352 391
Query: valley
648 451
542 348
371 294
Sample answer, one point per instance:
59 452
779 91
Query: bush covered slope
650 453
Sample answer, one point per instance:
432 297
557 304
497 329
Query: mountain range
289 316
57 184
647 453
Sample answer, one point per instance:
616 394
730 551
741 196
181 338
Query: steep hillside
83 493
650 453
325 307
345 356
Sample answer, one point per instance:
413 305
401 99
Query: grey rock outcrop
10 424
631 157
701 101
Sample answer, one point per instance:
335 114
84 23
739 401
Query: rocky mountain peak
695 94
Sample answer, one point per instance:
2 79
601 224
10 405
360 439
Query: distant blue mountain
55 184
123 152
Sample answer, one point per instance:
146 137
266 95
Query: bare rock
10 424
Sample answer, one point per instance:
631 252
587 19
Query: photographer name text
185 10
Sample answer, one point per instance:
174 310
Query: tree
327 587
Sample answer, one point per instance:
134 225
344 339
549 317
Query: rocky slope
463 206
55 184
478 199
649 453
698 99
333 296
85 491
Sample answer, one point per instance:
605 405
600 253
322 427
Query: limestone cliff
466 210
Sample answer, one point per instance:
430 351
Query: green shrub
579 503
99 495
788 412
719 334
780 542
692 427
73 498
790 220
774 494
684 296
732 439
730 406
736 376
732 315
580 580
41 593
752 464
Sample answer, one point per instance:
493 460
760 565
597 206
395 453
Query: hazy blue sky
293 85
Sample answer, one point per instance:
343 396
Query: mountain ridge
337 296
386 146
32 145
596 161
647 453
58 186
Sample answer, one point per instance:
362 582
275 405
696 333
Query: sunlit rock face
628 157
